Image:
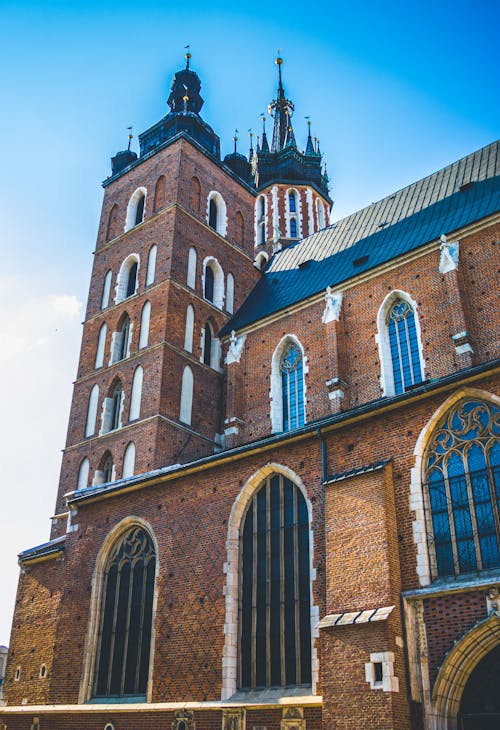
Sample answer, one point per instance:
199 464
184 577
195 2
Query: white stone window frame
136 394
107 412
145 322
260 222
389 681
106 289
83 474
212 262
101 346
129 454
151 267
189 328
99 473
132 208
232 567
186 401
276 389
96 605
92 405
383 341
191 267
122 278
297 214
117 341
424 568
221 224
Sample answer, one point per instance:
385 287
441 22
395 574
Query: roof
454 197
45 549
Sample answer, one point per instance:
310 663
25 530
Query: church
279 502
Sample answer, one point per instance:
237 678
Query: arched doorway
480 703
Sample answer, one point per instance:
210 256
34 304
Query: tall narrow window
320 210
124 640
292 388
186 395
132 280
195 195
139 211
136 208
191 268
274 590
136 394
83 474
116 407
212 213
106 289
188 333
112 229
293 228
129 461
292 202
403 341
209 284
145 320
207 344
101 343
107 471
261 220
160 193
240 228
151 270
230 293
462 490
92 411
126 284
120 348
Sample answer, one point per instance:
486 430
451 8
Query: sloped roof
443 202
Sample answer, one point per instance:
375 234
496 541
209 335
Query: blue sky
394 91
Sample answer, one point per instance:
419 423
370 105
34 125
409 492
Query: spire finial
279 62
250 152
281 109
130 137
235 139
187 54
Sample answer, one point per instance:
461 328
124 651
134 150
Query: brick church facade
279 503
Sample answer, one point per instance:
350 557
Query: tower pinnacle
281 109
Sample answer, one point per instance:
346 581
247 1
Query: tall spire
281 109
264 146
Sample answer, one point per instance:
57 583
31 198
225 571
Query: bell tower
292 187
173 261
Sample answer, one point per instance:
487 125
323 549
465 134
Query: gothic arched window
293 227
403 342
207 344
292 387
124 640
212 213
462 490
274 589
209 284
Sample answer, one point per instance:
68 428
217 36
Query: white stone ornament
236 345
333 306
449 255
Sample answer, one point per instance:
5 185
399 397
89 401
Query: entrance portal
480 705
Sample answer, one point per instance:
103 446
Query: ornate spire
264 145
309 146
281 109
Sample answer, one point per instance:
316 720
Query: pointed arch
151 268
112 408
293 213
288 385
230 293
260 220
210 347
136 394
233 563
191 268
136 208
426 565
132 545
186 405
105 472
112 229
92 411
217 212
106 289
189 328
213 282
457 668
195 195
128 277
399 340
160 193
121 340
129 461
101 344
145 321
83 474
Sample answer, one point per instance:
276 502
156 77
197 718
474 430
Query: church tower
173 261
292 188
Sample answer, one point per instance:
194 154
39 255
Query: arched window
107 471
120 348
260 220
126 284
402 363
195 195
186 395
136 209
101 344
293 214
188 333
83 474
404 345
209 284
112 229
106 289
274 590
124 638
112 409
462 490
230 293
129 461
292 202
320 210
145 320
287 386
92 411
191 268
136 394
159 200
293 228
217 213
240 228
151 270
213 282
209 346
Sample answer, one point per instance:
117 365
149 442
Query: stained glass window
274 607
292 388
462 490
124 640
404 346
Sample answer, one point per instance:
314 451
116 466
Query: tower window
217 213
132 280
121 341
136 209
116 407
404 345
139 213
274 590
293 227
212 214
107 470
462 490
292 202
126 285
209 284
292 388
124 641
207 344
